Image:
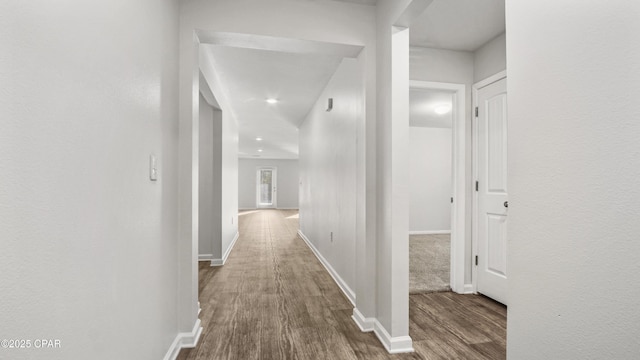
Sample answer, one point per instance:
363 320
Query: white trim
430 232
205 257
287 208
488 81
184 340
468 289
217 262
365 324
394 345
233 243
220 262
459 180
474 166
350 294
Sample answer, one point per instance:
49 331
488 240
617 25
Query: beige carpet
429 263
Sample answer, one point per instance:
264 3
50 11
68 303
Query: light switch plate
153 168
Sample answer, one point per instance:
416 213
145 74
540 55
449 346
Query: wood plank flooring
274 300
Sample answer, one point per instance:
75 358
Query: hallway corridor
274 300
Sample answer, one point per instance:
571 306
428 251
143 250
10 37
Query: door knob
506 204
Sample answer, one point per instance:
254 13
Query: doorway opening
266 196
437 214
457 43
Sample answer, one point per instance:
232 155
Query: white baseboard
394 345
464 289
351 295
220 262
205 257
365 324
429 232
287 208
233 243
184 340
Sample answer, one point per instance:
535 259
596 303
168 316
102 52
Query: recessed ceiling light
272 100
442 109
258 139
259 150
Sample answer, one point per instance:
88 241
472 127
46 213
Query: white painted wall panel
210 182
229 176
89 243
441 65
328 171
206 181
430 179
490 59
392 187
225 166
573 251
287 182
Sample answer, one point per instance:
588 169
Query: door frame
274 184
459 179
474 228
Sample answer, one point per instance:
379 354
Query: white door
266 188
492 191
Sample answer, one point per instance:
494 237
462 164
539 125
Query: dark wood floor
274 300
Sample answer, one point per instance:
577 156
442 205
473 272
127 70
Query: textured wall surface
210 182
573 81
430 179
490 59
88 242
328 171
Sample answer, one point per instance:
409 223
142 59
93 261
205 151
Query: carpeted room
430 190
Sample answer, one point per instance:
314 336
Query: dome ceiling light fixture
442 109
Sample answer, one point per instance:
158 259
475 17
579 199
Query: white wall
229 175
573 81
392 147
287 182
439 65
223 132
88 242
430 179
328 171
490 59
210 181
451 67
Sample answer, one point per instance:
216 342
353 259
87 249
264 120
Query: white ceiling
463 25
250 76
422 104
